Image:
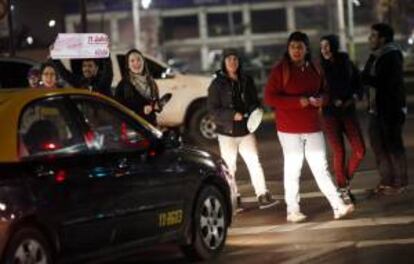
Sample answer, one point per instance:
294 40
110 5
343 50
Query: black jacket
222 105
343 83
100 83
384 73
126 94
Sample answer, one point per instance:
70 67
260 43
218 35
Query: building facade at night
196 30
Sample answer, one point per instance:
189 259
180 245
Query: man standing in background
383 76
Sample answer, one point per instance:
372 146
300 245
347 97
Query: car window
13 74
154 68
110 130
46 127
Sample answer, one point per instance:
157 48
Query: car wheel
28 245
210 223
202 128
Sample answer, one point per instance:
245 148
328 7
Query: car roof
18 59
12 101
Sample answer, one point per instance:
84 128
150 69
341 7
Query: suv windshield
154 68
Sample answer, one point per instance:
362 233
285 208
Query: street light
52 23
146 3
136 19
29 40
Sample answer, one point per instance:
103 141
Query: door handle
123 164
42 172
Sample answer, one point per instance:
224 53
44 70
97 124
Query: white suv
187 108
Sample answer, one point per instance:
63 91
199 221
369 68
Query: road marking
375 243
253 199
319 249
364 222
308 195
337 224
320 252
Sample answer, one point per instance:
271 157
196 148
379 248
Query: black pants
388 146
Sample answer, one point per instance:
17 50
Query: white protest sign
80 46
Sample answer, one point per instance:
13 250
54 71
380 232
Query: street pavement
381 230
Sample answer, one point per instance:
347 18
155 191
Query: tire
28 245
209 226
201 127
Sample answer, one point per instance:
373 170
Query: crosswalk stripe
308 195
252 199
337 224
319 249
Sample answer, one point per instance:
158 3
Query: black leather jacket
221 103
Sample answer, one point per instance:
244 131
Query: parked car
81 177
188 105
13 72
187 108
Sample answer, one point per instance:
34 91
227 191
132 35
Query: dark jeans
336 128
388 146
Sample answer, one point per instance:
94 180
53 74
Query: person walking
383 75
137 90
96 75
294 90
232 96
339 115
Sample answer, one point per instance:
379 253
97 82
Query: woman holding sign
137 90
231 97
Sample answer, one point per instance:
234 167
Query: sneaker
296 217
393 191
266 200
380 189
343 211
346 195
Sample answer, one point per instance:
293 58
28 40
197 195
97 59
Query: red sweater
286 85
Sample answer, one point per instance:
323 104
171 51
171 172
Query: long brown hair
145 71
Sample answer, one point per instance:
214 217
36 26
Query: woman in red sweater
294 91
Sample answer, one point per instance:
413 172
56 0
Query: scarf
378 53
141 85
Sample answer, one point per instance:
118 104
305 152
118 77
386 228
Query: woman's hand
304 102
238 116
338 103
315 101
148 109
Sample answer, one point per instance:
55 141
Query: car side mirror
171 138
168 74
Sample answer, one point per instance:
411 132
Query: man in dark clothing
231 97
95 76
383 75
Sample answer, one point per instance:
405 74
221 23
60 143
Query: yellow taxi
83 177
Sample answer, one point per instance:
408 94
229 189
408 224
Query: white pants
312 147
246 145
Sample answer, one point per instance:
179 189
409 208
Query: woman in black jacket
339 115
231 97
137 90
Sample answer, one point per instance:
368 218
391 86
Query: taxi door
67 197
143 184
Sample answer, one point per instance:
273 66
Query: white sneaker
343 211
296 217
